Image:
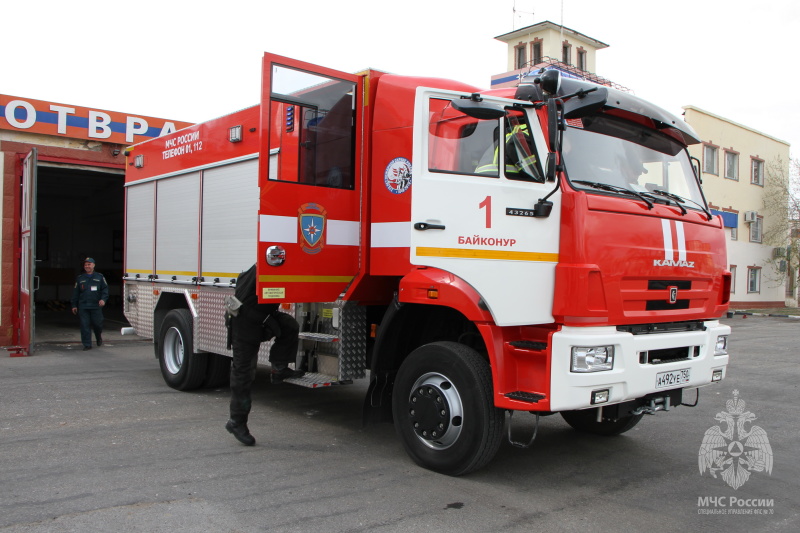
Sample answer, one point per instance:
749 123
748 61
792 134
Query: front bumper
631 378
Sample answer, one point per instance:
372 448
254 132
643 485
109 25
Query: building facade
743 173
547 44
62 179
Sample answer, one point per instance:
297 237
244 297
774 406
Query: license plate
672 379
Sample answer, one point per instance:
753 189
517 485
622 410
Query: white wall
741 195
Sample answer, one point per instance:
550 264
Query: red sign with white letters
37 116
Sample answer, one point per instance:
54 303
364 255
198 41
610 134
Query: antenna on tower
515 12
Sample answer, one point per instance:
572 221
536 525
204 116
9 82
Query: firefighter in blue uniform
88 299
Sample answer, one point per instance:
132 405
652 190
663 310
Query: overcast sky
199 59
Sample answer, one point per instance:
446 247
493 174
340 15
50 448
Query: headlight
721 348
592 358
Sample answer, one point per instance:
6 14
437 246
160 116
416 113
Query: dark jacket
89 290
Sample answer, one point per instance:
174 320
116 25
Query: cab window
460 144
312 129
457 143
521 162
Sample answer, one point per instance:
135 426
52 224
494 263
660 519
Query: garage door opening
79 214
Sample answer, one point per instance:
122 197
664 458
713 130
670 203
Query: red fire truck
545 248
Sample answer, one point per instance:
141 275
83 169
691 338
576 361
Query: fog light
592 358
721 348
716 375
600 396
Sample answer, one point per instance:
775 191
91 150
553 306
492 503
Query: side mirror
542 209
696 169
553 127
475 107
552 124
550 167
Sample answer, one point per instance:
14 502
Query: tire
585 420
443 408
218 373
181 368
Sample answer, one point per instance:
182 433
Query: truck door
309 215
27 264
475 183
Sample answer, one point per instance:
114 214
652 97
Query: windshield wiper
669 198
615 188
681 200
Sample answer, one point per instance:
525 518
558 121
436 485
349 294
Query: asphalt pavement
95 441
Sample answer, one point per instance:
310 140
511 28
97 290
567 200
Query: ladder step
529 345
322 337
530 397
314 380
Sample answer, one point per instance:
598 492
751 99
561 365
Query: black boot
240 431
279 374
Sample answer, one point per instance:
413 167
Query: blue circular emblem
397 176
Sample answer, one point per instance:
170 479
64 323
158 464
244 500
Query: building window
757 172
536 52
734 234
732 268
753 279
519 56
710 159
731 165
566 53
582 59
756 229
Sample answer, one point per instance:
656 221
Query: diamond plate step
321 337
530 397
313 380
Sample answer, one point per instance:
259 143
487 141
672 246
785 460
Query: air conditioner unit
750 216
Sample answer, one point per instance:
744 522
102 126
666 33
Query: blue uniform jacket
89 290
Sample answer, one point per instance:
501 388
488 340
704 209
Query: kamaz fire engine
545 248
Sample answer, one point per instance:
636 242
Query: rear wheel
218 373
181 368
585 420
443 408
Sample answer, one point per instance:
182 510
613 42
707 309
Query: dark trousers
91 320
245 361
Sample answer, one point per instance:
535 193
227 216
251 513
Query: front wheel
585 420
181 368
443 408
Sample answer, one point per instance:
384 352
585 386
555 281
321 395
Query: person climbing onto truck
252 323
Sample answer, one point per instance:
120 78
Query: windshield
610 151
